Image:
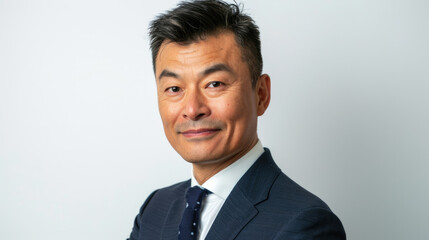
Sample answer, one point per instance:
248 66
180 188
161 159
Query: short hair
192 21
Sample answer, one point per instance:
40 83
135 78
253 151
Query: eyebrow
216 68
167 73
212 69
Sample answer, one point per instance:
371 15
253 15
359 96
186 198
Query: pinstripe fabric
265 204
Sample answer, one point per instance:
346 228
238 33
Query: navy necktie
188 228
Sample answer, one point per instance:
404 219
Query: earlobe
263 89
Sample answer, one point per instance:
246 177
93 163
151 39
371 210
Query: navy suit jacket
265 204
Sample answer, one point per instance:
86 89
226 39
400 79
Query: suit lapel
175 212
239 208
234 215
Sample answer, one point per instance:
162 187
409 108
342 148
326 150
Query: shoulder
288 191
291 211
273 183
164 197
166 194
264 183
161 205
177 189
313 223
305 215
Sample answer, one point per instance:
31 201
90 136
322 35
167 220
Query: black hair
192 21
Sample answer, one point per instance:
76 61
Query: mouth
200 133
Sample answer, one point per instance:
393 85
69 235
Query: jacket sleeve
137 221
311 224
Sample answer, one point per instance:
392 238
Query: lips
201 132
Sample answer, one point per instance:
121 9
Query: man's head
208 98
195 20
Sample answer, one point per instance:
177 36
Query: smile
200 133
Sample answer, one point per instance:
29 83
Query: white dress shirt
221 186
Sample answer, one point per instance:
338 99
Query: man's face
206 100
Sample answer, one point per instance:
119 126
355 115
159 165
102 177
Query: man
207 62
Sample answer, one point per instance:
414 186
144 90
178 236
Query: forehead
213 49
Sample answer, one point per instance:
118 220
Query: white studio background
81 140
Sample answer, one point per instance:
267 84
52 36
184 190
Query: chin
201 157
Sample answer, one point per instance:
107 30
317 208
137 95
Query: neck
204 171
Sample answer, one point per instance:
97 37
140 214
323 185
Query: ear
263 93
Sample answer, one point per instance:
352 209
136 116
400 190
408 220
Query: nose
195 105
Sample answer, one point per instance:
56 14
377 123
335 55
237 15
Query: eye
173 89
214 84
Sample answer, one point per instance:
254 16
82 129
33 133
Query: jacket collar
239 208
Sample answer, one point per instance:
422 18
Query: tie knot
195 195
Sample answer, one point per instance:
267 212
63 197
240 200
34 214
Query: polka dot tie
188 228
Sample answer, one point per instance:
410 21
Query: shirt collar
222 183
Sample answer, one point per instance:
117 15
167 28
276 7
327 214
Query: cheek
168 113
228 109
